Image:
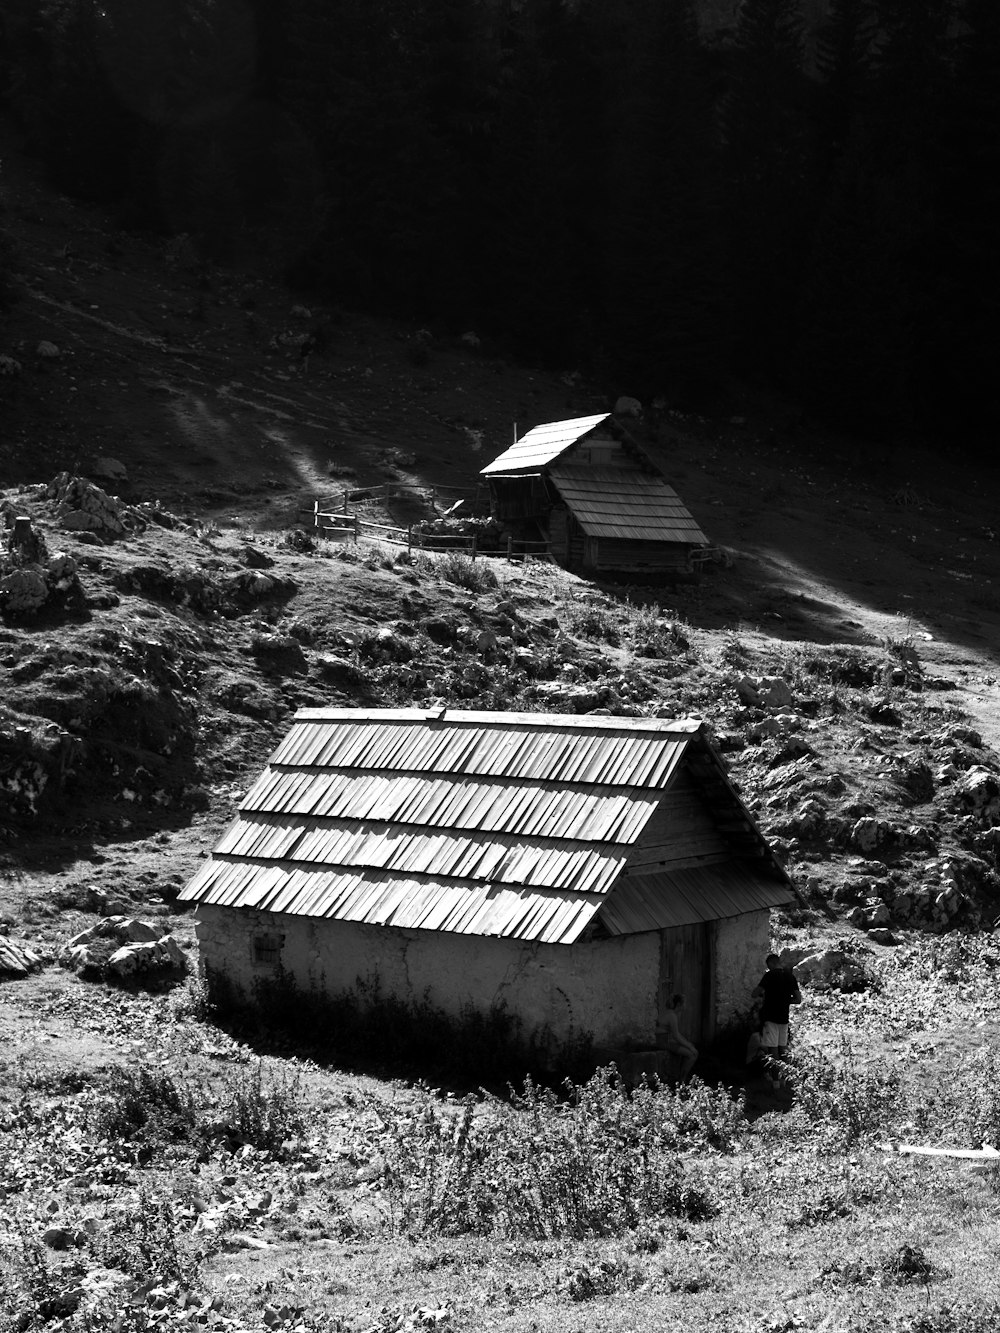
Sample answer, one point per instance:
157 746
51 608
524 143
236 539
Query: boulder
254 558
108 469
628 407
882 935
17 960
781 724
765 692
339 672
151 956
125 929
82 506
279 653
23 591
870 835
978 790
831 969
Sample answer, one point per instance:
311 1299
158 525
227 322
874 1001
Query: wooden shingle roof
542 445
508 824
628 503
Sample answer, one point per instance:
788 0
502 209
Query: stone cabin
590 490
577 870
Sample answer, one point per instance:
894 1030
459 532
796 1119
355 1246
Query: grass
380 1206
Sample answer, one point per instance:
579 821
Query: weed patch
597 1161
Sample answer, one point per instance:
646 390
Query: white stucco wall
741 945
606 989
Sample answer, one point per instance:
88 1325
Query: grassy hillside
159 1167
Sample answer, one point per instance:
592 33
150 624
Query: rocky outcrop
83 507
17 960
122 948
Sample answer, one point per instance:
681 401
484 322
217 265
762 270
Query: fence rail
340 526
399 490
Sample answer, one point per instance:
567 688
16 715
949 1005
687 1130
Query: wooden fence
474 499
338 525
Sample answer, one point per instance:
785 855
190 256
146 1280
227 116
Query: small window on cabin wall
267 950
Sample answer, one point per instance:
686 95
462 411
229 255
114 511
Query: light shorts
774 1034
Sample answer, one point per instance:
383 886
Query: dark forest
602 187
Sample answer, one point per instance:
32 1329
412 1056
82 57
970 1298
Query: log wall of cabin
620 553
681 832
515 499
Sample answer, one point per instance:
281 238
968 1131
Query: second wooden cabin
596 497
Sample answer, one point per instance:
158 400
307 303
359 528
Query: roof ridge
668 728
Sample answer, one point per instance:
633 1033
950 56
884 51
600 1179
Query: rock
59 1238
471 340
126 930
279 653
337 671
250 586
627 407
61 572
876 913
23 591
90 952
779 725
978 790
82 506
764 692
254 558
9 365
882 711
47 351
914 779
882 935
108 469
832 969
939 683
154 955
875 835
16 960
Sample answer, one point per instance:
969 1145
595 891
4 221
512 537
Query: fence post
357 529
409 539
316 515
510 546
473 546
345 500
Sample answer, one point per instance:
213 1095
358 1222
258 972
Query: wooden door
686 968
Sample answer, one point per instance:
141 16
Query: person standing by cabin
778 990
674 1042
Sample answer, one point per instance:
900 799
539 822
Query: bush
852 1103
473 575
597 1162
144 1107
267 1114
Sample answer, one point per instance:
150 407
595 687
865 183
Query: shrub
965 1101
473 575
142 1241
143 1106
597 1162
266 1113
852 1103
